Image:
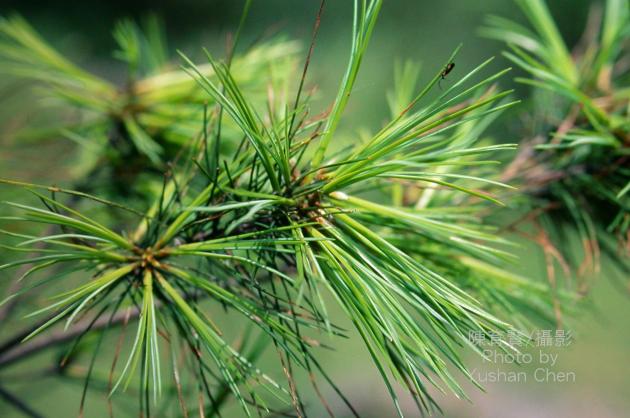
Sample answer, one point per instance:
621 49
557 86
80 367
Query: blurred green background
415 29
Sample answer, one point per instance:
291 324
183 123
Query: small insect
449 67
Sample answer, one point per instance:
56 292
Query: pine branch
274 236
575 168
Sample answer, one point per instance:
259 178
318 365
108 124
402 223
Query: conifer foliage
255 204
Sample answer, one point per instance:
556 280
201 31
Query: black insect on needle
449 67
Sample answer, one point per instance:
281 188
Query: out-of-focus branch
18 404
21 351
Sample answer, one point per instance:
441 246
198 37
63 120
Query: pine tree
216 185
